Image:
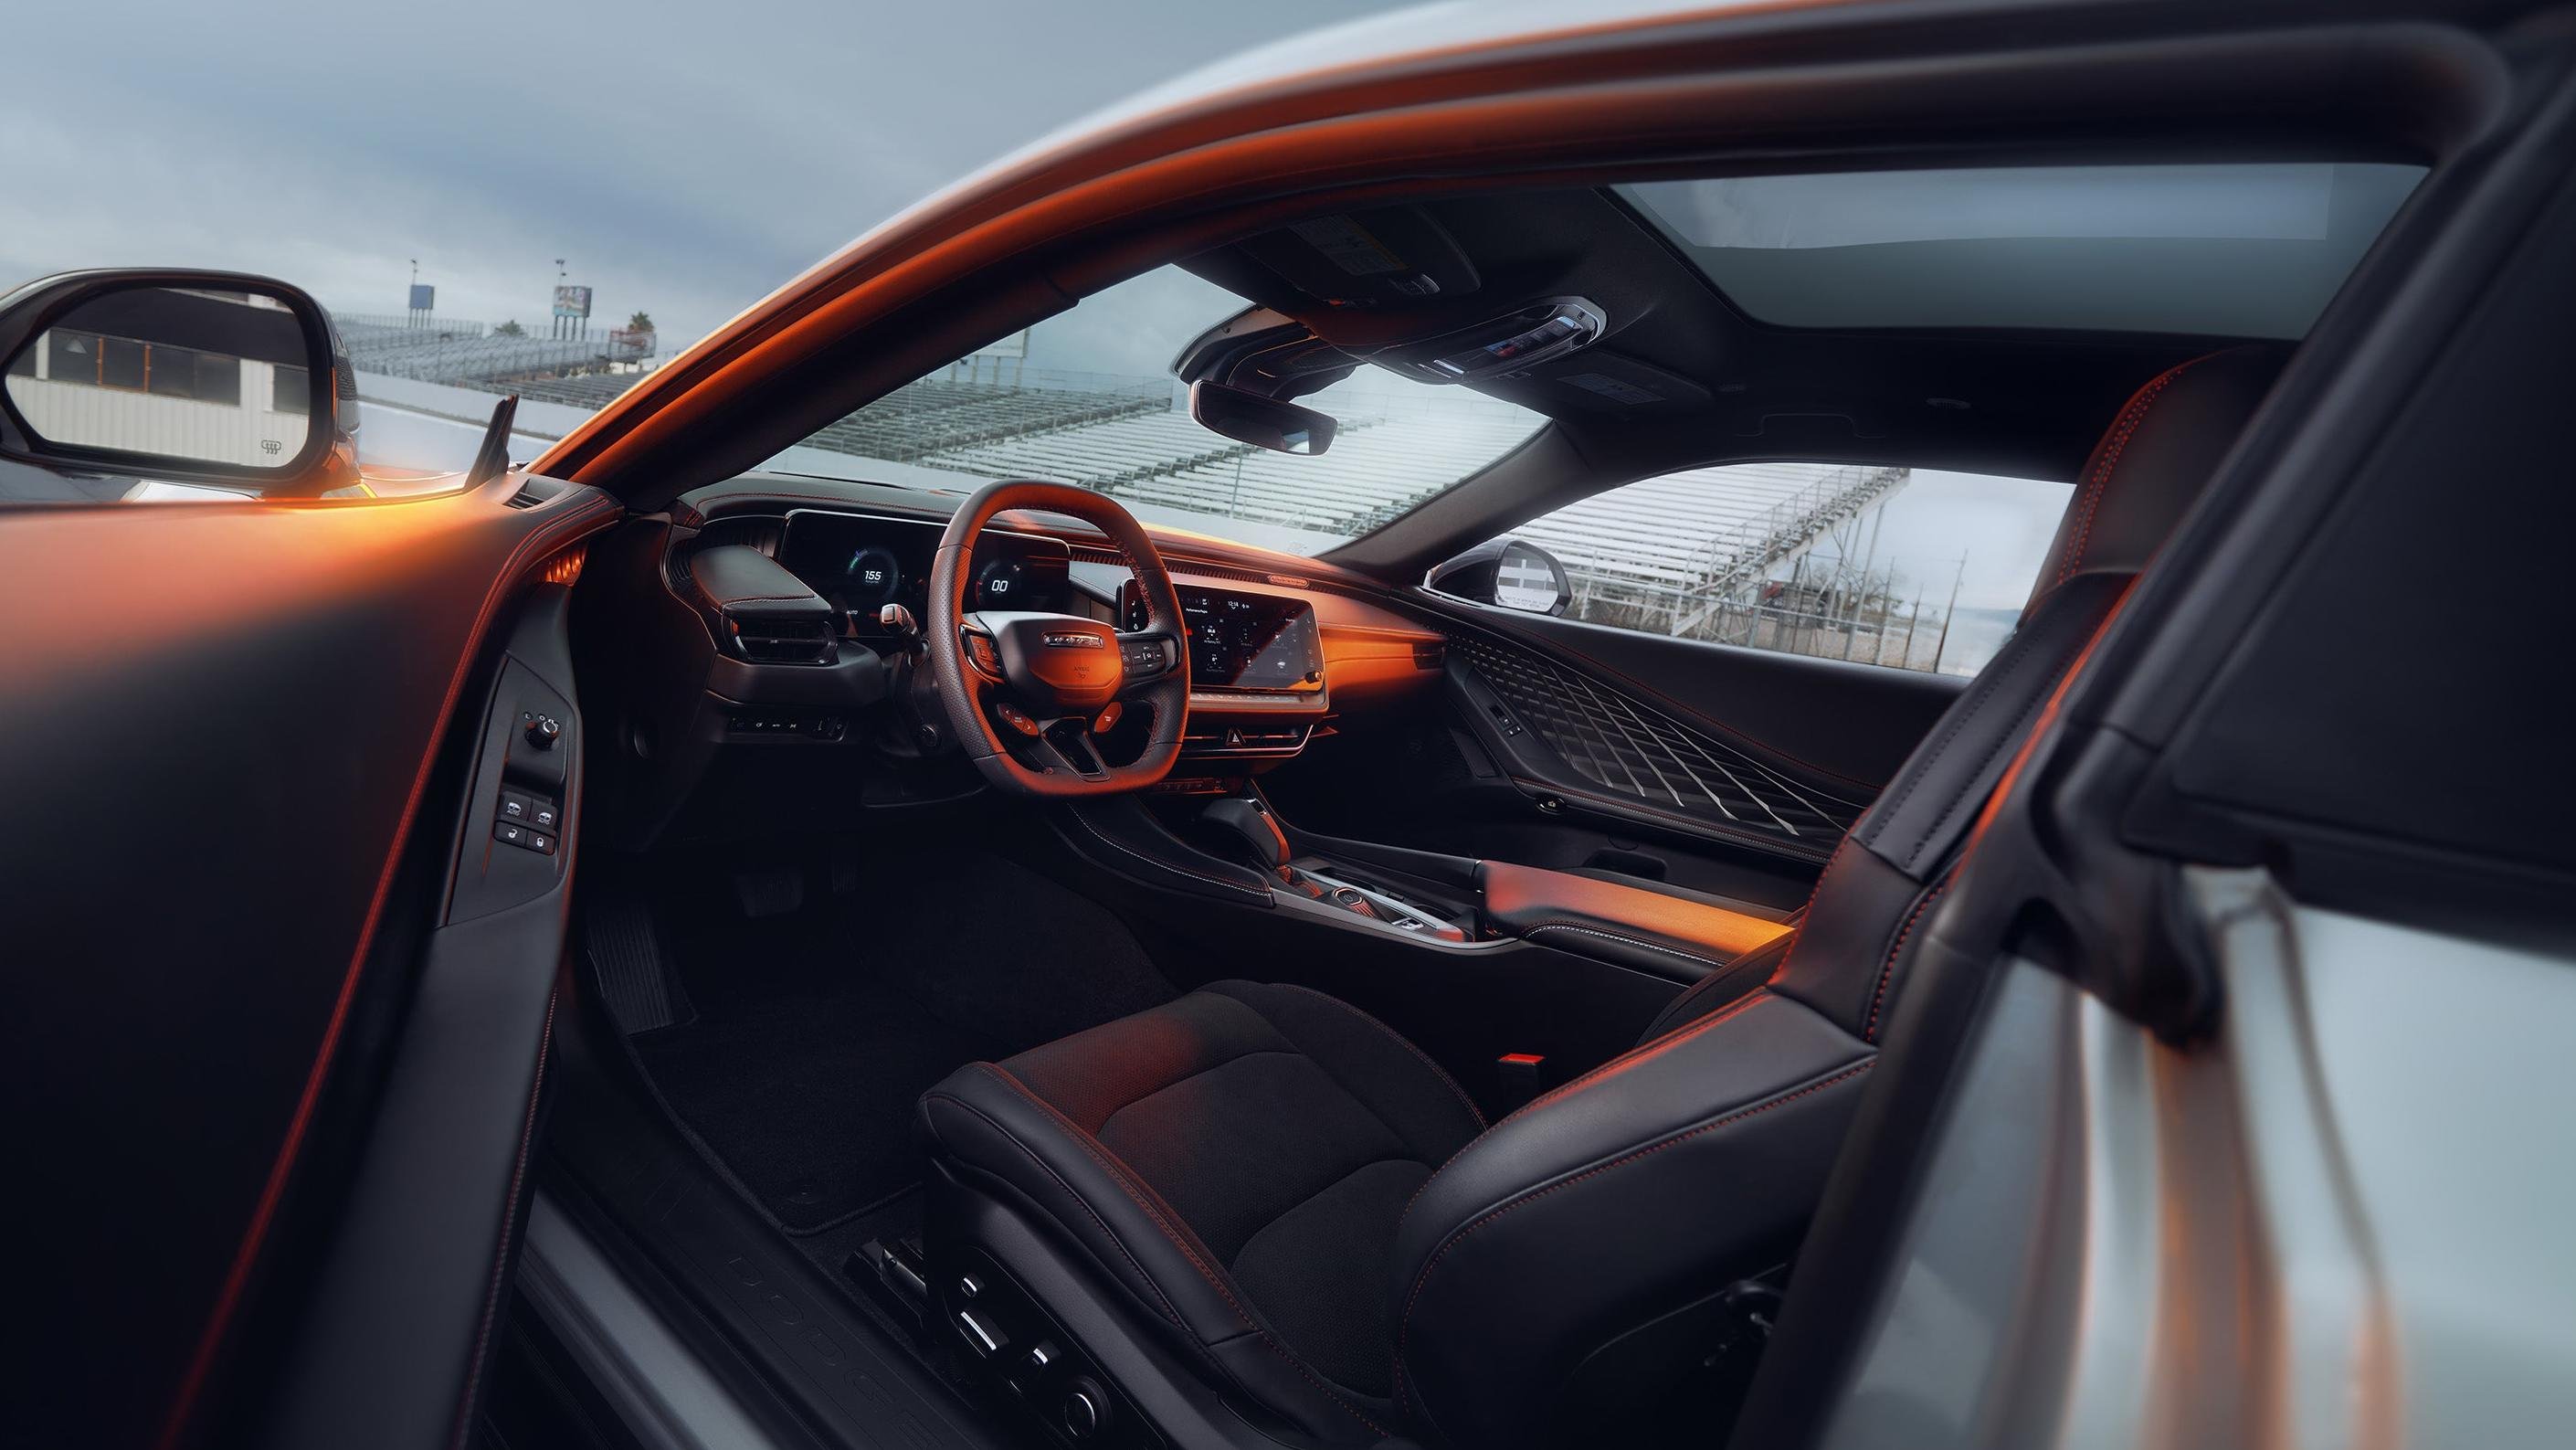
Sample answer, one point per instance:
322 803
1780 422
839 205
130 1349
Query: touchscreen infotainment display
1250 641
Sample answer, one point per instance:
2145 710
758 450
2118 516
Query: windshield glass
545 200
1087 398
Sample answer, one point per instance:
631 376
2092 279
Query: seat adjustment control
1085 1412
985 1341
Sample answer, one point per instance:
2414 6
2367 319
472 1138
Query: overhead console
1269 353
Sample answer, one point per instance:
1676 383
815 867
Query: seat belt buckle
1516 1078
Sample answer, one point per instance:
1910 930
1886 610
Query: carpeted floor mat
817 1030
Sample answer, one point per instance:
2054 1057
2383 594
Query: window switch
541 814
517 807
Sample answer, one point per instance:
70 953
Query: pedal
769 891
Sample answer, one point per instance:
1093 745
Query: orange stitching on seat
1888 968
1404 1324
2118 442
1643 1051
1813 892
1119 1175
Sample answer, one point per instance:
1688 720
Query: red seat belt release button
1517 1075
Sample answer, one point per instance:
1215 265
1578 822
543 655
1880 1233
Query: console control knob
544 731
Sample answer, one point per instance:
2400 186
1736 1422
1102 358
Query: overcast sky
685 158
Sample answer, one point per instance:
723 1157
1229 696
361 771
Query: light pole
560 274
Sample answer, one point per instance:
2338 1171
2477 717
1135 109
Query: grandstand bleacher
1667 550
1704 530
450 351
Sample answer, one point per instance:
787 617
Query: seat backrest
1584 1239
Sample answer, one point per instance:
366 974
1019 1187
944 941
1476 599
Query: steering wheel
1025 693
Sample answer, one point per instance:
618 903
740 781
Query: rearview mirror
1259 421
203 377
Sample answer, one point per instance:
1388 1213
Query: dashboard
1242 642
861 562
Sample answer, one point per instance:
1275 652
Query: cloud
686 159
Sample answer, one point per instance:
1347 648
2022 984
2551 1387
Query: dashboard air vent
775 641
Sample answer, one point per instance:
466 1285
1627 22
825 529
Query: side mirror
1507 572
193 377
1259 421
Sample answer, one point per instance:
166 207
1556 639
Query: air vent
536 491
1430 656
565 568
774 641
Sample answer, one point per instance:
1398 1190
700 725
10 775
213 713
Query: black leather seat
1306 1214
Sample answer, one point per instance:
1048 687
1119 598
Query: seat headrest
2151 464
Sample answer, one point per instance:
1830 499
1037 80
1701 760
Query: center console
1364 892
1656 929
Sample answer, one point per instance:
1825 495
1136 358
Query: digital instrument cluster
860 563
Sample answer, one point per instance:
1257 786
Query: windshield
1087 398
547 200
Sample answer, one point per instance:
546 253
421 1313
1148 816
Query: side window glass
1908 568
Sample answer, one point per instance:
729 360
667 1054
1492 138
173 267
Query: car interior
1190 993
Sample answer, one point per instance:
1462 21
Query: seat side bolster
1643 1189
996 1132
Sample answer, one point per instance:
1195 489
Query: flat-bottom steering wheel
1027 693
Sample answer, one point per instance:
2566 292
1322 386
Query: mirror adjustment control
543 731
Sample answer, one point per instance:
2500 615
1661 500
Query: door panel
217 738
1846 727
1571 745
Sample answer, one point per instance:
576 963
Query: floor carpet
819 1028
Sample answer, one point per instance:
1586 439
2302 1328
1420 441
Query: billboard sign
424 298
572 302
